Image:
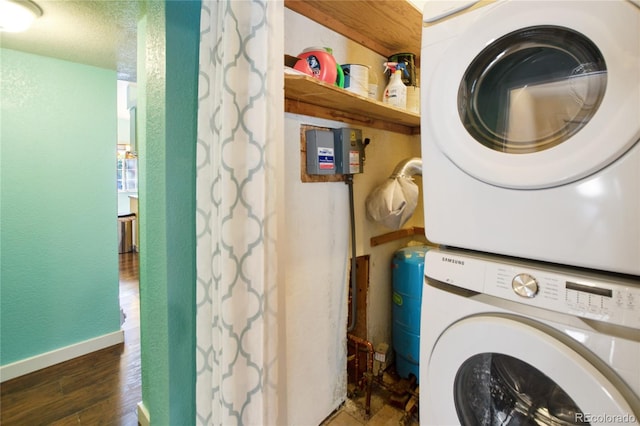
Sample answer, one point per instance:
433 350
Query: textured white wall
316 292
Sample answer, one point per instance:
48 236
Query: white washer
530 129
513 343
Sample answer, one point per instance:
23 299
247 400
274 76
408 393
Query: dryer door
536 95
507 370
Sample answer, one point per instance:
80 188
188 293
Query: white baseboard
47 359
143 415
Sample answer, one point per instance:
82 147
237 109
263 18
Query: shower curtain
240 134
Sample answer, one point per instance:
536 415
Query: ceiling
100 33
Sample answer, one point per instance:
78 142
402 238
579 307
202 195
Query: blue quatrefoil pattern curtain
240 134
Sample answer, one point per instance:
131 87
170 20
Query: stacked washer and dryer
531 167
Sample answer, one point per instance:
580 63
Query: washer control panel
603 297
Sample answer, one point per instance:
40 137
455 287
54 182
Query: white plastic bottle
395 93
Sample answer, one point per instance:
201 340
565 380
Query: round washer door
536 95
500 369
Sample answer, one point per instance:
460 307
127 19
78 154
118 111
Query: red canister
322 64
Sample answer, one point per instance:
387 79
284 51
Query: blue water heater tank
408 277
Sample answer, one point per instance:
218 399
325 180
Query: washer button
525 285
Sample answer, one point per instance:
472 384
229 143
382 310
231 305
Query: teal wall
168 44
58 239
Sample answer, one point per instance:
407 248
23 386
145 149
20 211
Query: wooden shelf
309 96
396 235
386 27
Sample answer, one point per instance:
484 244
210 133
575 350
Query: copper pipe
369 374
360 341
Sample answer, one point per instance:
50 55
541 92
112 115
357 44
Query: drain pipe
354 284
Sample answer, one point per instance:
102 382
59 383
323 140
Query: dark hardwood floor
101 388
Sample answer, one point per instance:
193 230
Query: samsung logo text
451 260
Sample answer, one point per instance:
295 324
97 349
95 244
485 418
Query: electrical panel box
349 150
321 158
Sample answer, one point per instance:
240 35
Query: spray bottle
395 93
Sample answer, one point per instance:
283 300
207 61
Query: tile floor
383 413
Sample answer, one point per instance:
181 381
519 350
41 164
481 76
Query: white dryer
530 129
510 343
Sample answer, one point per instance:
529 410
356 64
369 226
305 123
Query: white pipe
392 203
408 168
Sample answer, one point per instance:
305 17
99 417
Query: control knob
525 285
